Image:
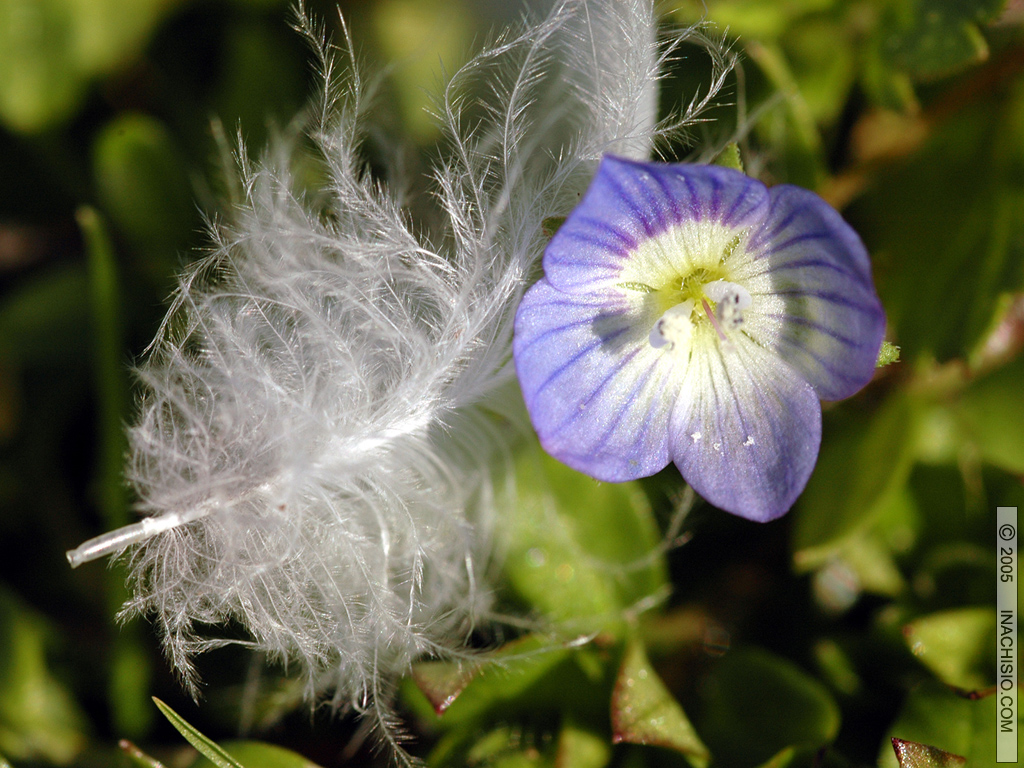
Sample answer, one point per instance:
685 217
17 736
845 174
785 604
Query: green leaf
414 35
39 720
991 412
913 755
956 645
504 747
645 712
130 673
862 563
836 667
40 79
757 705
795 128
50 49
262 78
822 55
214 753
137 757
141 181
521 673
536 683
41 320
257 754
110 374
579 551
442 681
932 38
858 482
551 224
753 18
780 760
581 748
941 257
932 714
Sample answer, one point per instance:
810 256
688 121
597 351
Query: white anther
730 299
673 328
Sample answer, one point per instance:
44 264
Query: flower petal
629 204
746 428
814 300
598 394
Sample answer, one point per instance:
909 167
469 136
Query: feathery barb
313 440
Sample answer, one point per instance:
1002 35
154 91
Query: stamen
731 300
711 317
674 327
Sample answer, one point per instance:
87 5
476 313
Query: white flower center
674 328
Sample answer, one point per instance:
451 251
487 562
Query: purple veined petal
598 394
630 204
814 299
746 428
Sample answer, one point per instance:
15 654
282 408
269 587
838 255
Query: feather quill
313 446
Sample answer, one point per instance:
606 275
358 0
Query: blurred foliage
864 615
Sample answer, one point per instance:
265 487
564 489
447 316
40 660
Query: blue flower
690 314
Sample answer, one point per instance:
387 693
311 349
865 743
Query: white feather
313 443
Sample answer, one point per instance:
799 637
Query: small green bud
730 157
887 355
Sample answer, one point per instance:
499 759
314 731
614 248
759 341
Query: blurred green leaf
50 49
130 674
579 551
212 751
38 717
956 645
934 715
137 757
753 18
823 57
40 79
531 682
414 36
992 413
503 747
913 755
871 561
581 748
645 712
529 672
757 705
793 129
837 667
257 754
110 371
141 182
41 320
781 759
931 38
917 214
262 81
861 471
